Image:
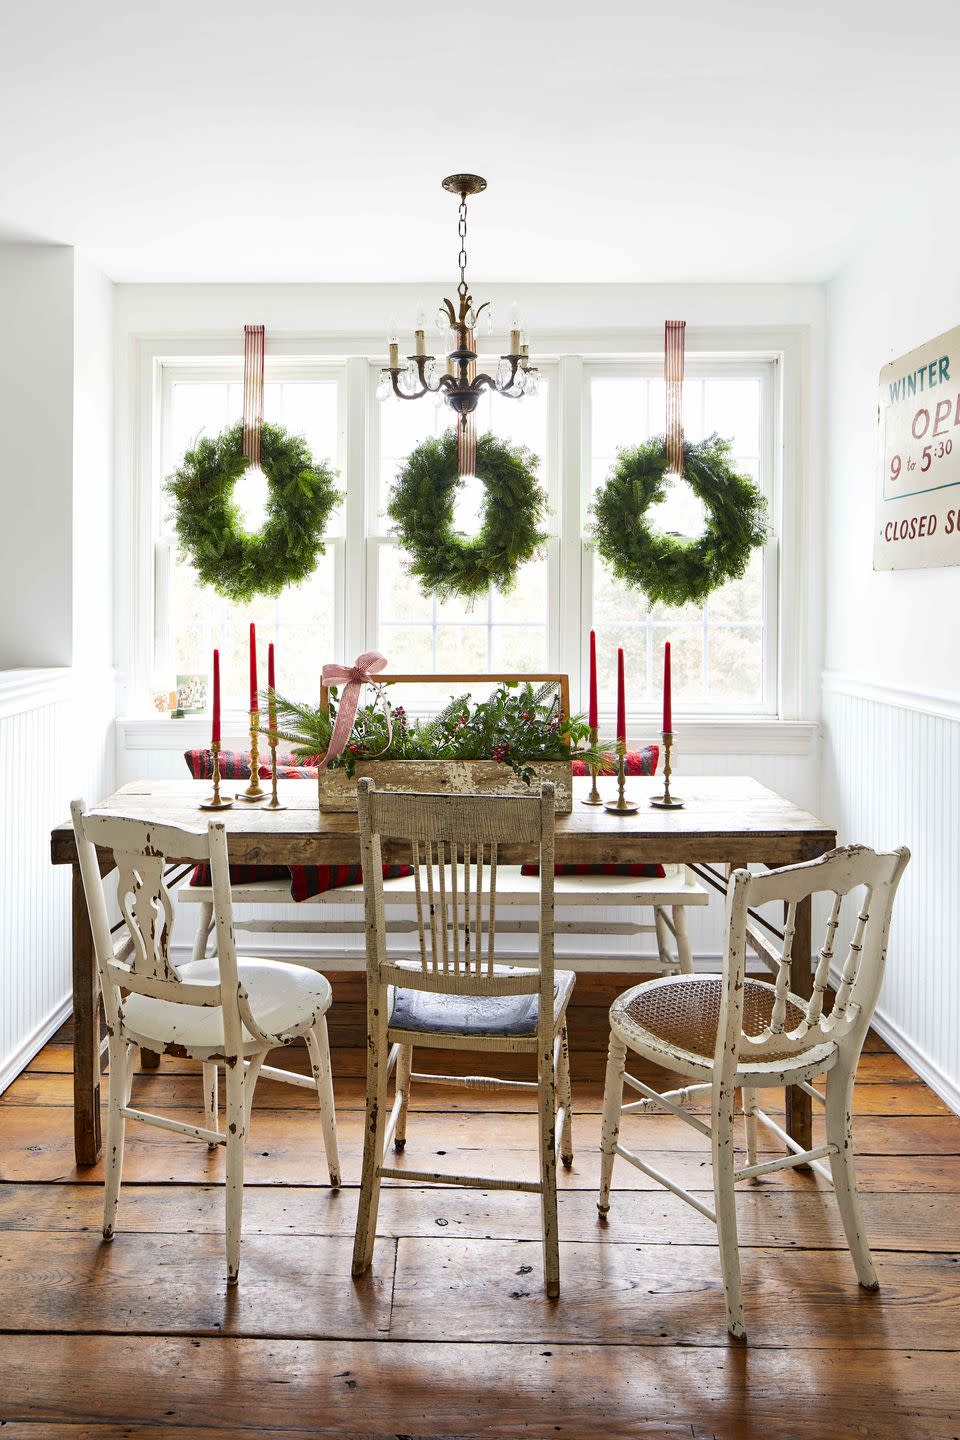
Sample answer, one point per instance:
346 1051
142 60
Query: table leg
799 1105
86 1033
149 1060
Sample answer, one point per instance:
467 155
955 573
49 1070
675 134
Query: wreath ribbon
353 678
253 365
673 365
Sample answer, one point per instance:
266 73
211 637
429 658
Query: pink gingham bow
352 678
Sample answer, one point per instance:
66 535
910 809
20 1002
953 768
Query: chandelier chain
462 257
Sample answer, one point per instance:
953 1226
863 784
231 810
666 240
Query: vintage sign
918 494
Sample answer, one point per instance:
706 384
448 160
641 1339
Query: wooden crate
338 790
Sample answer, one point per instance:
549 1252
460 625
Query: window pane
300 620
715 665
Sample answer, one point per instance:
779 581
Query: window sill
729 735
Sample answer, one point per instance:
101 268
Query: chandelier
457 382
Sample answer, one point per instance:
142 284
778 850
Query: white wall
892 689
36 455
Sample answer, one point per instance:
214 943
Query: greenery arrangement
667 568
209 527
517 726
422 509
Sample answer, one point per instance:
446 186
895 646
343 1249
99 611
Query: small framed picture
191 694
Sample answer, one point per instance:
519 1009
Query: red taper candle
215 727
621 701
667 692
272 683
594 716
254 699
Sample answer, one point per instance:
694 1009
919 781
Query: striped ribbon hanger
253 346
467 427
673 347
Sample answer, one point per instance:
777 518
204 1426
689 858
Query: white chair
748 1035
452 994
220 1011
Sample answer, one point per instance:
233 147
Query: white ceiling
687 140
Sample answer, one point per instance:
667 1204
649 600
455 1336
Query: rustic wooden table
725 820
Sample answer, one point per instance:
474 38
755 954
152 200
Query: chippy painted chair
453 995
748 1035
221 1011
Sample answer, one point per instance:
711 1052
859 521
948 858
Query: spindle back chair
742 1034
450 992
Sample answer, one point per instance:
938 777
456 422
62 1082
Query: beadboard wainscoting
891 776
783 755
55 743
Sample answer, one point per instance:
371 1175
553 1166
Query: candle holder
621 806
666 801
216 802
254 791
273 803
594 798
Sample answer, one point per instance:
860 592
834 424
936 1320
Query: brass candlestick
273 803
594 798
215 802
621 806
666 801
254 790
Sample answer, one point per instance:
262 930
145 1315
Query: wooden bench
667 897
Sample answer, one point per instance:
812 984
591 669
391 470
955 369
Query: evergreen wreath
422 506
668 569
209 526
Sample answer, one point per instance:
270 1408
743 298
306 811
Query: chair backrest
856 876
141 851
452 842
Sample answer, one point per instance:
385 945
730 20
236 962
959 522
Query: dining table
725 822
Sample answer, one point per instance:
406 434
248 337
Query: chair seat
476 1015
679 1016
285 1000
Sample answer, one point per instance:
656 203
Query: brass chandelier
458 383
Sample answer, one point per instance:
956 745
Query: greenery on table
517 725
422 509
301 495
667 568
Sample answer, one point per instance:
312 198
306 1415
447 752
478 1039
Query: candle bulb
594 715
215 727
420 342
254 699
272 683
667 692
621 702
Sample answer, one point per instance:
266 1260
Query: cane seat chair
729 1033
221 1011
451 993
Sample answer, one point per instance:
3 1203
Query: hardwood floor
450 1333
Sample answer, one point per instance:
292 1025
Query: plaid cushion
288 771
234 764
636 868
308 880
243 874
639 762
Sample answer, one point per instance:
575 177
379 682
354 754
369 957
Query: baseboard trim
34 1043
946 1087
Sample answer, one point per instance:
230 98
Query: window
501 632
724 653
191 619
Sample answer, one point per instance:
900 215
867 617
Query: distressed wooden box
338 790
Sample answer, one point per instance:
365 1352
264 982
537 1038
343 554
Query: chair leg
610 1127
204 925
547 1102
839 1107
250 1077
318 1046
725 1202
404 1066
748 1099
684 954
376 1119
211 1106
667 965
236 1138
565 1098
121 1074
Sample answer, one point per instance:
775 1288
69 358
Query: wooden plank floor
450 1333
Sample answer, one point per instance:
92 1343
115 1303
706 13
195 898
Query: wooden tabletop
725 818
